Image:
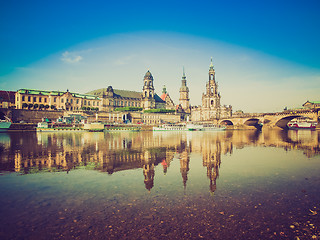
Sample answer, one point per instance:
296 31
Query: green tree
84 108
30 105
41 106
35 105
24 105
46 107
88 108
53 107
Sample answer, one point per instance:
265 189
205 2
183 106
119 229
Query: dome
148 75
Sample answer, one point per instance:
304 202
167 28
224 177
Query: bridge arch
282 123
252 122
226 122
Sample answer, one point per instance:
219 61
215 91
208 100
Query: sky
265 53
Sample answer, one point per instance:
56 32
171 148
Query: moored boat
5 124
213 127
302 125
170 127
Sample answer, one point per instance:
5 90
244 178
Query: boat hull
4 125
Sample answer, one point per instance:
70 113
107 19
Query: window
128 104
40 99
97 103
125 104
94 103
77 101
45 100
29 99
34 99
22 98
85 102
89 103
62 100
71 101
55 99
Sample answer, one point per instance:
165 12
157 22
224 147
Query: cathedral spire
211 65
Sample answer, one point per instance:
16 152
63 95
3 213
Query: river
160 185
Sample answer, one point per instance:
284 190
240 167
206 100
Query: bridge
270 120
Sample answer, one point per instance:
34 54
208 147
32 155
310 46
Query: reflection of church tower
184 94
212 160
148 101
184 166
148 171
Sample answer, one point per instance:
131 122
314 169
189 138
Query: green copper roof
55 93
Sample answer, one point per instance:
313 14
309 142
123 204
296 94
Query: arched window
212 102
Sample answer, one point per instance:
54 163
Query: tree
35 106
24 105
84 108
88 108
46 106
53 107
30 105
41 106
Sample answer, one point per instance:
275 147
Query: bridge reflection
150 151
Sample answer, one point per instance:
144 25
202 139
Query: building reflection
150 151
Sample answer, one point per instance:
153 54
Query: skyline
265 55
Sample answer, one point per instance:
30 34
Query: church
210 108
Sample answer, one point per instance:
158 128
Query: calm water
167 185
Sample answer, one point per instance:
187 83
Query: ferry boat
170 127
194 127
5 124
44 127
302 125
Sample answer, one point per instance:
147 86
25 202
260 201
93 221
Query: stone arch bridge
270 120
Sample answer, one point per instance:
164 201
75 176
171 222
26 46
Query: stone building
29 98
115 98
210 108
7 99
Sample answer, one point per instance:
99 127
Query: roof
158 99
124 94
163 96
55 93
118 93
312 102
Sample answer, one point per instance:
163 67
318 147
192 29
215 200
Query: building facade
115 98
55 100
211 108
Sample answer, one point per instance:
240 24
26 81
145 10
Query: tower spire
211 65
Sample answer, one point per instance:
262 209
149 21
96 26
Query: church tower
148 101
211 99
184 94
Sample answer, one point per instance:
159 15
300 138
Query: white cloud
68 57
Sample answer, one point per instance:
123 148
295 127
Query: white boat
213 127
302 125
170 127
5 124
194 127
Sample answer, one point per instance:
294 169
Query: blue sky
259 47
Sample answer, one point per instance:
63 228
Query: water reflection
29 152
